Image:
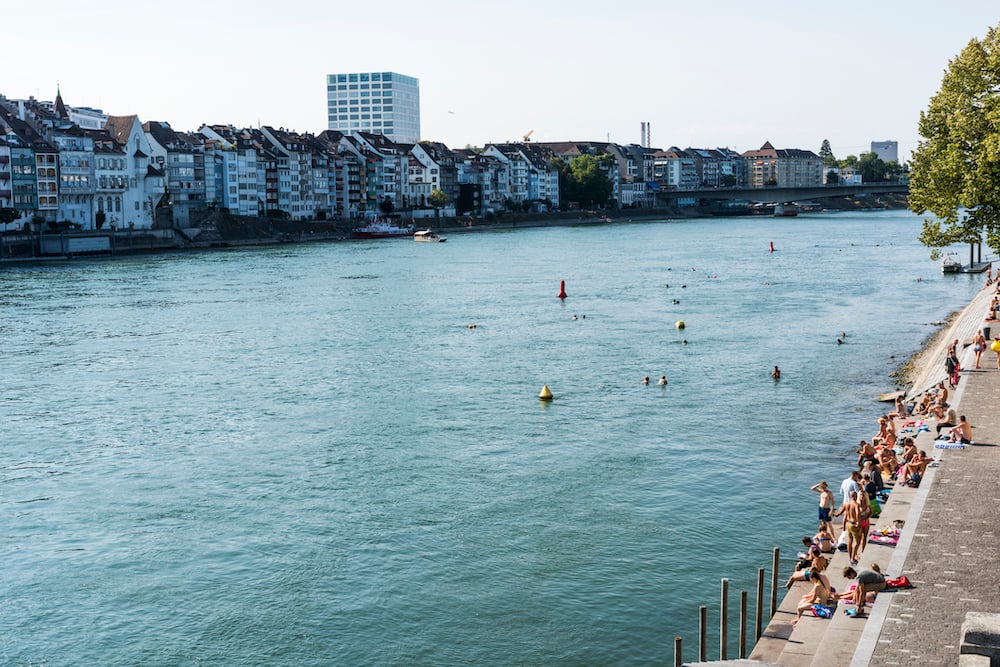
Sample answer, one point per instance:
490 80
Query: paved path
949 547
953 558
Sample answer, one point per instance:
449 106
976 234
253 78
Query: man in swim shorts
826 503
961 433
852 525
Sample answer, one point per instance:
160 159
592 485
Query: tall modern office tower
381 102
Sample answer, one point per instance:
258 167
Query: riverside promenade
948 546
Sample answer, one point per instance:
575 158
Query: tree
8 215
955 171
386 206
99 219
588 179
826 153
437 198
872 168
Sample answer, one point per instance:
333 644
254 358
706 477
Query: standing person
865 514
978 345
852 525
952 365
826 504
849 486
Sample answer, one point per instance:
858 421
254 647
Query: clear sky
704 74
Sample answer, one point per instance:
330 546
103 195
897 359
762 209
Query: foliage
437 198
386 206
585 179
8 215
875 170
99 219
826 153
956 167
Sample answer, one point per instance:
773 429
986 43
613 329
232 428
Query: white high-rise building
887 151
379 102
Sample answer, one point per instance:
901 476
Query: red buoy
772 246
562 289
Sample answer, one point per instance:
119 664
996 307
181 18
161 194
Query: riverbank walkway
948 546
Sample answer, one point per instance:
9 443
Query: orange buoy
562 289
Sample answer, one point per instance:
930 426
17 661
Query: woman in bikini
820 594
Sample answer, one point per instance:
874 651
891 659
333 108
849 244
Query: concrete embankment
947 543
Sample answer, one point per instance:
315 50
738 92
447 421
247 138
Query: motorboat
427 236
381 229
951 263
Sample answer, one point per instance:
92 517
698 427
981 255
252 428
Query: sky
703 74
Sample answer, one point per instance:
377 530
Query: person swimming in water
776 373
663 380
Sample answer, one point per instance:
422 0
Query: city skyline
726 75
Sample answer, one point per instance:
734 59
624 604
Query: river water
305 456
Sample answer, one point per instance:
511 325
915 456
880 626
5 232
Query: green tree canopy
955 171
588 181
8 215
826 153
437 198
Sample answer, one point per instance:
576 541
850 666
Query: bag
900 582
842 542
822 611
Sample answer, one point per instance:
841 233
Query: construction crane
527 135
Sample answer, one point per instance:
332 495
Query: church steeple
60 107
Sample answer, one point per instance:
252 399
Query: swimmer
776 373
663 380
645 380
840 341
684 342
574 317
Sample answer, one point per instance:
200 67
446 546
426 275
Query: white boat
427 236
951 263
381 229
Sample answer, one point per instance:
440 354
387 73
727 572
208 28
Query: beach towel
948 445
887 540
822 611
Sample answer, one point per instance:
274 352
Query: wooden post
759 611
724 621
703 634
774 581
743 624
678 652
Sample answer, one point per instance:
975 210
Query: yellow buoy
680 324
545 394
995 346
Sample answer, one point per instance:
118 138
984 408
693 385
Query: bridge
779 194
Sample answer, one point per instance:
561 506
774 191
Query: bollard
678 652
759 611
724 621
743 624
702 633
774 581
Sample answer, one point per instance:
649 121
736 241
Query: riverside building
378 102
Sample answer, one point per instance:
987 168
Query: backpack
900 582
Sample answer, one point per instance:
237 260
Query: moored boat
428 236
951 263
381 229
